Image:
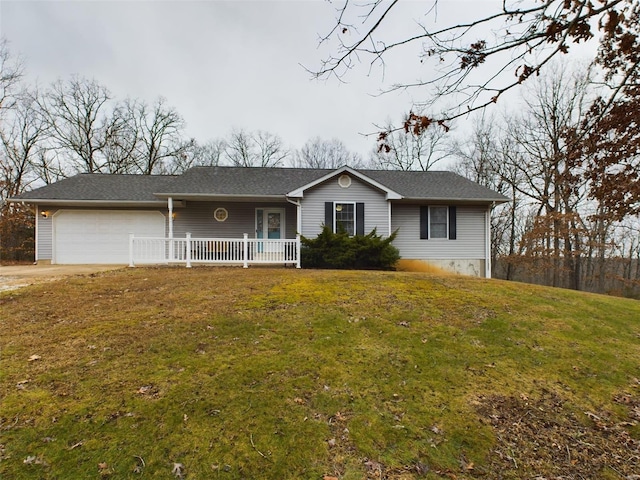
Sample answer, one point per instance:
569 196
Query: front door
269 224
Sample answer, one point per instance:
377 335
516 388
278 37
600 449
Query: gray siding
44 248
197 218
470 242
376 208
45 226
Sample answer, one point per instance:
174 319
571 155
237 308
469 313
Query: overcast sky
221 64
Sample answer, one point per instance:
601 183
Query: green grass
282 374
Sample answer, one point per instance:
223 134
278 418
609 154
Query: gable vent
344 181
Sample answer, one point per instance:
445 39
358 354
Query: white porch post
188 252
36 233
131 262
170 205
245 250
298 251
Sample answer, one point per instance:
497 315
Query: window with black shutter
438 221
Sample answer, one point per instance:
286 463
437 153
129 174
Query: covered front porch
244 251
215 231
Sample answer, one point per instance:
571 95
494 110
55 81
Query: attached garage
101 236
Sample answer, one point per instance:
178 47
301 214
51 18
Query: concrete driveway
16 276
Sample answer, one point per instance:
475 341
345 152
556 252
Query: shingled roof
202 182
241 181
98 187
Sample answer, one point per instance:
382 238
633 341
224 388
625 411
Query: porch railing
245 251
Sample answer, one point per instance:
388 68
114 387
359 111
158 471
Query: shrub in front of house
341 251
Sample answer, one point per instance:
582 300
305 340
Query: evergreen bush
341 251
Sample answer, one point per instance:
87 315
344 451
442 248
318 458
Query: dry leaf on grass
178 470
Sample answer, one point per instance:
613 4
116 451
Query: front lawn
287 374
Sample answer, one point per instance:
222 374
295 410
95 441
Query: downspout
487 262
389 217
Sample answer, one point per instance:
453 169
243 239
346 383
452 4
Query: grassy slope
302 374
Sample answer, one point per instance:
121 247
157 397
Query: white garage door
101 236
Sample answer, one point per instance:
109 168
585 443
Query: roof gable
390 194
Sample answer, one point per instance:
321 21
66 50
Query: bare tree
486 158
320 153
21 140
194 154
77 117
550 176
122 139
210 153
406 150
20 135
259 149
239 150
160 138
523 38
270 148
11 71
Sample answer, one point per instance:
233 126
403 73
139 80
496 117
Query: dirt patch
544 439
17 276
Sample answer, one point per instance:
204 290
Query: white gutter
487 240
89 203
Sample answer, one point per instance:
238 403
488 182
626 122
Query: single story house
255 215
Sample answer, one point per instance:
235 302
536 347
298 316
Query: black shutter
424 223
328 215
359 218
452 223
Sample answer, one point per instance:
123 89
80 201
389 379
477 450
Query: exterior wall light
44 214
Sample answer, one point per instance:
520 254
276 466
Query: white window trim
335 220
446 233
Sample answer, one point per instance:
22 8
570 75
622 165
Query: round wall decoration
344 181
220 214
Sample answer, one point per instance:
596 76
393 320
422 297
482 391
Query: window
438 222
345 218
